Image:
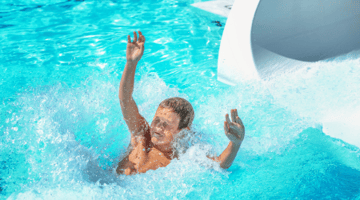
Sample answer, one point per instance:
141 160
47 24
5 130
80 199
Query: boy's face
164 127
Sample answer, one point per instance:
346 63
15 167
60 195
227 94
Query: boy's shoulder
141 136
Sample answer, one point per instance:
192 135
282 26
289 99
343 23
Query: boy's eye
157 120
165 124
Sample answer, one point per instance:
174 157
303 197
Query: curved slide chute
263 38
259 34
235 55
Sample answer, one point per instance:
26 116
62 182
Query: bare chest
140 161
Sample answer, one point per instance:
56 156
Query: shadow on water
5 25
31 8
65 4
1 180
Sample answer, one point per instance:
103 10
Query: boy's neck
166 154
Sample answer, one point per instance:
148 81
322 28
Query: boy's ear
183 135
186 128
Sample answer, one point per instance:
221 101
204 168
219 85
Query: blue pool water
61 128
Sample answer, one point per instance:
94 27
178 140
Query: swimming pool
62 130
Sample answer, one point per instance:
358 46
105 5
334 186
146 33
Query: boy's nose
161 125
158 128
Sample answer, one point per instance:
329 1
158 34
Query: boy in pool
151 146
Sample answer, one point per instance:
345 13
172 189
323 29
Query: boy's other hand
234 129
135 49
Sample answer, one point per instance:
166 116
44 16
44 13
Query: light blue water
61 128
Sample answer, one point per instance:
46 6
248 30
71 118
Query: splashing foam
75 136
325 91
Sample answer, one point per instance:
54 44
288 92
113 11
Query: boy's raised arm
235 131
132 117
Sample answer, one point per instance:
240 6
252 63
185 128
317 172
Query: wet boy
151 145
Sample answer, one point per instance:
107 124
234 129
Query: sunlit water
62 131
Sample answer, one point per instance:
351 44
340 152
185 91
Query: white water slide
265 38
259 34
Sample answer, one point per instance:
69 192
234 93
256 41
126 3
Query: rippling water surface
62 132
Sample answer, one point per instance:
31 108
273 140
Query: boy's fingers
227 118
129 39
135 37
227 133
238 120
142 37
226 127
233 115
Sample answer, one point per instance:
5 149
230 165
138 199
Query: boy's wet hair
183 108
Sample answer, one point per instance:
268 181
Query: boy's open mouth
156 134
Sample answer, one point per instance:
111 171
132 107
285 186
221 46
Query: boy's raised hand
234 129
135 49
